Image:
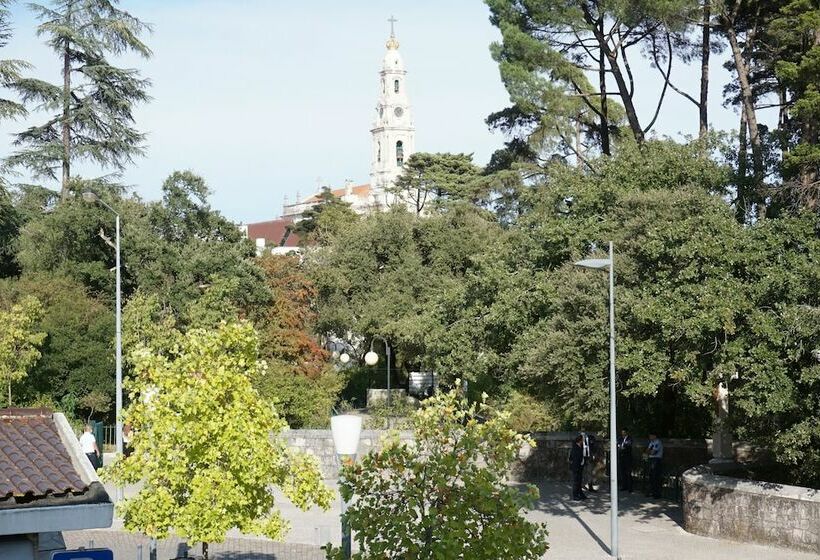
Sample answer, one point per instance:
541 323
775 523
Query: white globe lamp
371 358
344 358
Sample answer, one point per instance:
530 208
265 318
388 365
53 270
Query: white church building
392 140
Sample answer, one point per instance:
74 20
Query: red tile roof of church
358 190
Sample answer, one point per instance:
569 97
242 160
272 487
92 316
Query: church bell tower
393 132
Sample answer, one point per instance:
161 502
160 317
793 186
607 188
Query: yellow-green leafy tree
206 448
445 494
19 340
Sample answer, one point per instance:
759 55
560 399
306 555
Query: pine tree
91 111
9 69
551 49
795 34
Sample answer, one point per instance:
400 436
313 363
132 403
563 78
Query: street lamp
92 198
371 359
346 429
602 264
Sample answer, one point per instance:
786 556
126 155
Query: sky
272 98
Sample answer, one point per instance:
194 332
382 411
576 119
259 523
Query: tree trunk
611 55
579 158
204 551
9 392
747 105
705 52
66 122
623 89
808 171
605 148
742 152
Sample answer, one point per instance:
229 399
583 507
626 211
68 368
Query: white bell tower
393 131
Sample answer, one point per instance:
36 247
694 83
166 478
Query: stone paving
126 546
650 530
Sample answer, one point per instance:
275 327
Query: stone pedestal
722 451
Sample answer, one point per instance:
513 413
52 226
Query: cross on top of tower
392 42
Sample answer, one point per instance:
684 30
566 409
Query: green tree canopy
207 449
430 179
323 221
19 341
78 351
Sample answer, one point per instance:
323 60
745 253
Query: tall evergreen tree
91 110
550 49
9 69
795 60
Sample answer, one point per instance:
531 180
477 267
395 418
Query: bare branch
665 84
666 76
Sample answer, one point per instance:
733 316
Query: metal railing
109 435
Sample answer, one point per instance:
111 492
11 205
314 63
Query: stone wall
549 459
747 510
320 444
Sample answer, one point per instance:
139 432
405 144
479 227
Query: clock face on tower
399 111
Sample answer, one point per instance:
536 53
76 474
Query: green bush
397 416
358 379
528 414
302 401
444 495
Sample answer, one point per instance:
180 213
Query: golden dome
392 43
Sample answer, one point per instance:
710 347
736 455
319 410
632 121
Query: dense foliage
716 239
699 297
19 342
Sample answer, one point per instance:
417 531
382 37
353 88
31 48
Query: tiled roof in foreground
34 463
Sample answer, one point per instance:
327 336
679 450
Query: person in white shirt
655 452
89 446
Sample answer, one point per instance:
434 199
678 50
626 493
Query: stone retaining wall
320 444
748 510
549 459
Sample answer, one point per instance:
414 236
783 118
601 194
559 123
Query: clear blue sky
264 98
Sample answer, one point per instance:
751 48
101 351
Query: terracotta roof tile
34 463
358 190
274 232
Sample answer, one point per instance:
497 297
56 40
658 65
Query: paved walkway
650 530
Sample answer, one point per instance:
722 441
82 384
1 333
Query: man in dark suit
625 461
576 467
589 446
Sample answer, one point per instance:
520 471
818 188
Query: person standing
576 468
589 449
89 446
126 440
625 461
655 452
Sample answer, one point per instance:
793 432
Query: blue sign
84 554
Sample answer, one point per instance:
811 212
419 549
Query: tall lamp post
603 264
371 359
346 429
91 197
